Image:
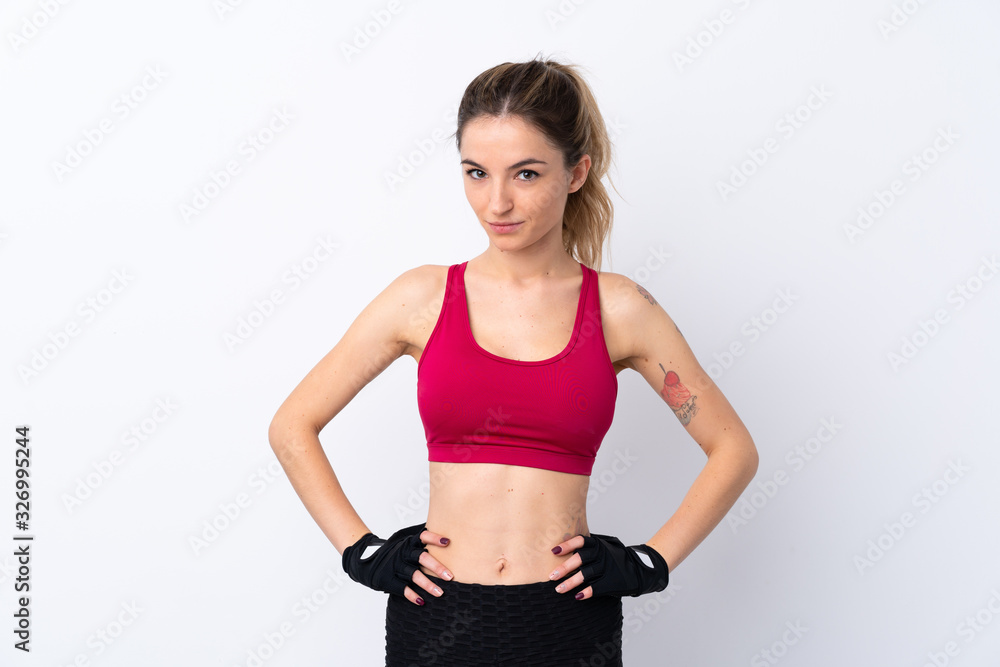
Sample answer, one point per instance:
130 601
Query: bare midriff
503 520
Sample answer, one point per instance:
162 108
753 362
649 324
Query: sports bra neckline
581 300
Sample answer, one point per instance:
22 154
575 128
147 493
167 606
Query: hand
609 567
396 562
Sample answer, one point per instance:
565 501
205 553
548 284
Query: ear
578 174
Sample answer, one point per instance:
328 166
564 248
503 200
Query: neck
524 267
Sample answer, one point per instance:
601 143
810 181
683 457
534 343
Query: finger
572 544
420 579
429 537
570 583
413 597
574 562
587 592
433 563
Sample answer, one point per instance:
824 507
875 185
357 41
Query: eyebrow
516 165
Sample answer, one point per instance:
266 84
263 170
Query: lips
504 227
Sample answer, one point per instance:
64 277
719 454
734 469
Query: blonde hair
556 99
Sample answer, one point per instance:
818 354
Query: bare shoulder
631 315
418 281
415 298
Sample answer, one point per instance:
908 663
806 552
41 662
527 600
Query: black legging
523 625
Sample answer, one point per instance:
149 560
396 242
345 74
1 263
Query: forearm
716 489
308 469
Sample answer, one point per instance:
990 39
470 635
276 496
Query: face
516 182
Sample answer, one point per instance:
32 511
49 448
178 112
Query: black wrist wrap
611 568
390 569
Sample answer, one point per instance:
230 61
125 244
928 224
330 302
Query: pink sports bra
478 407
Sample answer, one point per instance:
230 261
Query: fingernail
447 576
559 588
579 596
420 601
557 550
438 590
554 575
445 541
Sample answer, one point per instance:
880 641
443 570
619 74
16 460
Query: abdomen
503 520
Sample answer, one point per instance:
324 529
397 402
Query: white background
826 551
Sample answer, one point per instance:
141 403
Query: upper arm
377 337
658 351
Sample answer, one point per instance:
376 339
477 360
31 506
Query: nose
500 200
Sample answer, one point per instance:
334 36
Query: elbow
741 457
284 434
751 460
276 432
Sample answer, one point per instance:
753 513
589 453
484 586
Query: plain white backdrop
198 198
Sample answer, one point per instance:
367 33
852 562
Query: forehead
503 137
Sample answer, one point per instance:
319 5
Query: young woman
517 369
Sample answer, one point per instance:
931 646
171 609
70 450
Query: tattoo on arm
649 297
678 397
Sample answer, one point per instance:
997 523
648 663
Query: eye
472 172
532 175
